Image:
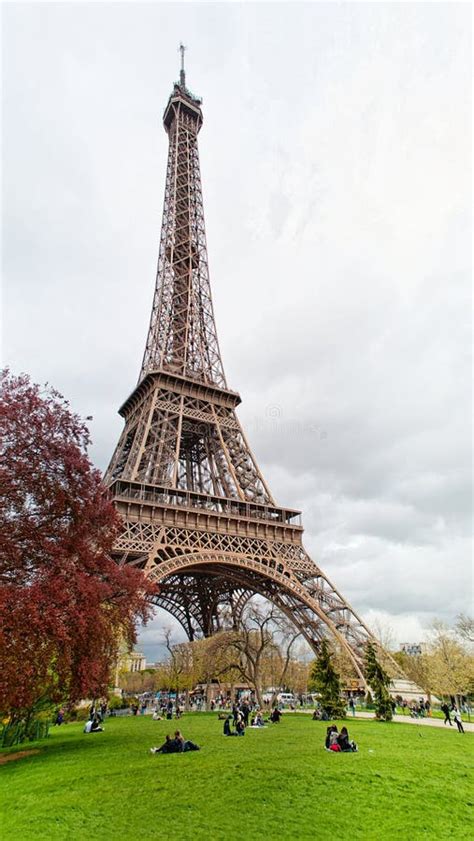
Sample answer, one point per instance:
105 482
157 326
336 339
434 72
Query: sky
335 159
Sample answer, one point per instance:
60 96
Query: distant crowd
248 715
245 712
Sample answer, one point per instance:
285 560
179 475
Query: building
414 649
132 661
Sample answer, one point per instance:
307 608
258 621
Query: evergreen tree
379 682
325 680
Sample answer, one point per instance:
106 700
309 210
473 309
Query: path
407 719
423 722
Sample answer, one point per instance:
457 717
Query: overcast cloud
335 157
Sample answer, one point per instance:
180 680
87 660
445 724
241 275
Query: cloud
335 156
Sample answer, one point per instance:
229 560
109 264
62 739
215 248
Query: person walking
458 719
447 717
59 717
352 705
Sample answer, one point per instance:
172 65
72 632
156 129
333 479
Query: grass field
406 782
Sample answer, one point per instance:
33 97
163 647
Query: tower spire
182 75
182 337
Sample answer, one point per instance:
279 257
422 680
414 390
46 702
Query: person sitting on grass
227 727
257 720
240 728
184 744
176 745
275 716
93 726
331 736
344 743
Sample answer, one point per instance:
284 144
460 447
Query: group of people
320 714
93 725
239 727
97 713
417 709
242 717
176 745
339 742
167 711
447 710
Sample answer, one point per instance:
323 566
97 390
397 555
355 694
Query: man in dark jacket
445 710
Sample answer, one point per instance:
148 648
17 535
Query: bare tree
465 627
384 632
181 666
260 647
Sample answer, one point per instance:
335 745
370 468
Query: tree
415 667
181 665
279 667
261 647
250 644
465 627
449 663
383 632
379 682
214 658
325 680
65 603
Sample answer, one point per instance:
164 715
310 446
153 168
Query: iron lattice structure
197 514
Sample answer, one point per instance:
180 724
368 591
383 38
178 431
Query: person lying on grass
339 742
168 746
177 745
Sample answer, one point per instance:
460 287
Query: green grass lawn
406 782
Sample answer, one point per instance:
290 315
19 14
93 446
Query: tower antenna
182 75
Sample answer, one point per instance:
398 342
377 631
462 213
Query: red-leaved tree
64 603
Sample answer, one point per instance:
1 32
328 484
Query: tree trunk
258 693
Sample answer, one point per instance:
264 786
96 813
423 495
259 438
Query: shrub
22 731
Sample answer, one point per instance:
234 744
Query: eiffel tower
198 516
